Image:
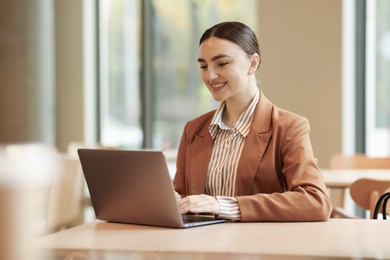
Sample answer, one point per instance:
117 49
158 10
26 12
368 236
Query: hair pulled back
235 32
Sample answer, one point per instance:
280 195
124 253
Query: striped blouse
226 153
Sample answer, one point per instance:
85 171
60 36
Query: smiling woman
248 160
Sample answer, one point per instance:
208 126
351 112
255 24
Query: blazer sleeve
179 181
304 196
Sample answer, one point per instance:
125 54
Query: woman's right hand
199 204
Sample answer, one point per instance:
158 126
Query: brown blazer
277 178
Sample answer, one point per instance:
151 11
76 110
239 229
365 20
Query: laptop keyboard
189 218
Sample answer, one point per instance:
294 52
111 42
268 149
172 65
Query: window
172 90
119 73
378 78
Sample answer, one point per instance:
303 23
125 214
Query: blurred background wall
301 65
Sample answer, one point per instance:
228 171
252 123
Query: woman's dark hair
235 32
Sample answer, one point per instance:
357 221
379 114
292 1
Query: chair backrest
359 161
382 204
64 205
366 191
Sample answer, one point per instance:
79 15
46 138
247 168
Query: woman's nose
211 74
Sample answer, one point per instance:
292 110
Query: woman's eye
223 64
203 67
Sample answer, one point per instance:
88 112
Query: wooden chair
39 164
356 161
58 201
66 193
366 191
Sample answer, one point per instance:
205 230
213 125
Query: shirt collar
243 123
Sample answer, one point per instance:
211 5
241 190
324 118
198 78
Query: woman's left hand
199 204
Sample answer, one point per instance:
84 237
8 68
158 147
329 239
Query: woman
248 160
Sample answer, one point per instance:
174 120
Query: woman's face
225 68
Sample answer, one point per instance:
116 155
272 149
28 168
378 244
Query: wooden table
339 180
344 178
337 239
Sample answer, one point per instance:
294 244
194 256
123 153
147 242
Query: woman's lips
218 85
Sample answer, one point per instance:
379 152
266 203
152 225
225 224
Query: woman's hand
199 204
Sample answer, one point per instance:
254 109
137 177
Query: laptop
134 187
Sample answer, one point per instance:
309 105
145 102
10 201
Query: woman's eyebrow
219 56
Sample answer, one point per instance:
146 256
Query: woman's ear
255 62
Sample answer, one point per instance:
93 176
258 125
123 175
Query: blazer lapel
255 146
